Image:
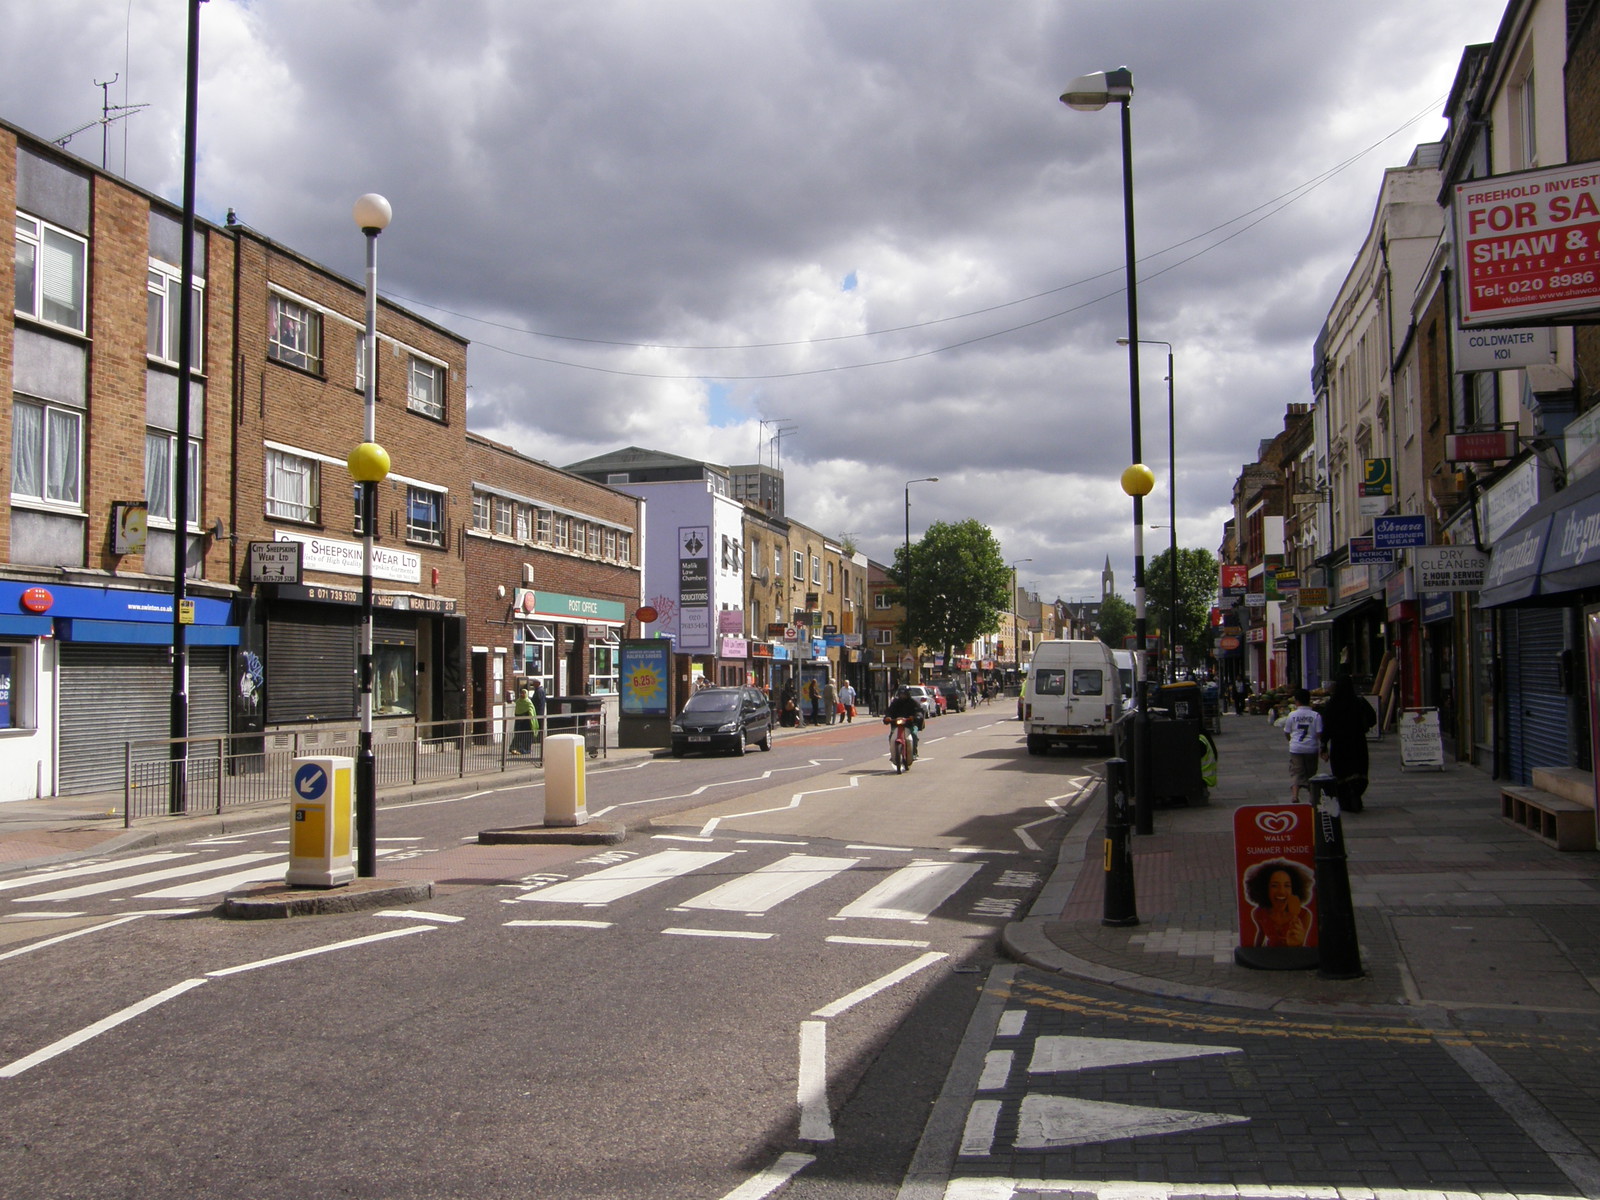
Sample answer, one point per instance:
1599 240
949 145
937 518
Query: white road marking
1022 830
882 983
987 1188
912 892
996 1070
1057 1055
1011 1022
99 868
564 924
766 842
315 950
977 1138
747 934
1050 1122
65 937
219 884
906 943
816 1124
61 1046
758 1187
625 879
760 890
416 914
794 802
890 849
133 881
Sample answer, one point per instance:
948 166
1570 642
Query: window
882 637
611 545
293 487
563 532
482 511
163 307
624 548
394 680
830 579
502 517
543 526
46 453
424 516
161 477
50 273
536 655
594 541
524 523
799 566
777 563
603 665
1088 681
1050 681
17 693
294 334
425 388
880 601
816 569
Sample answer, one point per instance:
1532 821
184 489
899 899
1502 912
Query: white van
1125 669
1072 697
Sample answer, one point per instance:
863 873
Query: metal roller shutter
311 665
111 694
1536 708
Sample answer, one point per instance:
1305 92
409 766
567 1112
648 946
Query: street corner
273 900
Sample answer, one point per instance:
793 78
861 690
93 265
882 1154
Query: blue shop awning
1554 548
143 633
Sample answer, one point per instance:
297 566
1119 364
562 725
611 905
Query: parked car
923 695
723 718
955 696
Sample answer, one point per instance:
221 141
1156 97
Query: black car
723 718
955 696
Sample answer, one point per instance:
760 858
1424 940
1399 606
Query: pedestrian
830 701
972 693
1346 717
1303 728
814 701
1241 693
847 699
524 723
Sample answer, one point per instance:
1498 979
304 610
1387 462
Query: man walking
847 697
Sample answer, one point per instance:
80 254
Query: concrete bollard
564 799
1119 906
319 823
1339 957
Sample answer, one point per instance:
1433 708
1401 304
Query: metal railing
213 775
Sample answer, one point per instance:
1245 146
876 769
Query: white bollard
320 824
564 799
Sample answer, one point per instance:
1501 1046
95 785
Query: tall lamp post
369 464
1172 511
913 649
1016 639
1091 93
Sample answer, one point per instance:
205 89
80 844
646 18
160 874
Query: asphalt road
775 971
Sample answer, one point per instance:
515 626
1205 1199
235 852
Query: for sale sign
1528 246
1275 871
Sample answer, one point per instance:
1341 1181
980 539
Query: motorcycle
900 747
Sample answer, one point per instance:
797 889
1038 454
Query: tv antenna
780 431
109 112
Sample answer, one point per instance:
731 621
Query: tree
1116 622
1197 592
959 585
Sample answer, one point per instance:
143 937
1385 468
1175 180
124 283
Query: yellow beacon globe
1138 480
368 463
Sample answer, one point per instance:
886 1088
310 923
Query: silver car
924 696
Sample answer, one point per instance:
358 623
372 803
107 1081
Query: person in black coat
1346 717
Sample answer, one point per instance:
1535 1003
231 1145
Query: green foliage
1197 592
1116 621
958 585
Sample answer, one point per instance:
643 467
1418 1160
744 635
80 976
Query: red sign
1528 245
1481 447
1228 643
1235 578
646 615
37 599
1275 870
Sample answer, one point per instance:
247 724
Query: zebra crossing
197 872
909 893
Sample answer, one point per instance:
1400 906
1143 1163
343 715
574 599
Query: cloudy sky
871 224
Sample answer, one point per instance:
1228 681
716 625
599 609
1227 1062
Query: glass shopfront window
536 655
394 681
603 660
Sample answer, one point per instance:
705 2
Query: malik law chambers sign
1528 246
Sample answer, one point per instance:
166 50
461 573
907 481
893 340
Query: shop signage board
1376 488
275 562
1313 596
1420 744
1235 579
1449 568
1490 446
1275 876
1501 350
345 558
1400 532
1528 246
1362 551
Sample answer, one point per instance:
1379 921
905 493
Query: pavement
1456 909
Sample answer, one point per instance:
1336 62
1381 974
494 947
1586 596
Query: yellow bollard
564 799
319 824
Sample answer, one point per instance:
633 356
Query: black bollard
1119 907
1339 955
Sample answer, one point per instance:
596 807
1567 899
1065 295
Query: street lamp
369 464
1016 639
1091 93
909 482
1172 509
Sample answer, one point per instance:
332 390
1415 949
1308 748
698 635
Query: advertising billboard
1528 246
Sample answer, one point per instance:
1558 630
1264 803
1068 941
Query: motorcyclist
905 705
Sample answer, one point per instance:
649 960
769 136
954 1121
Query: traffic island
594 833
269 900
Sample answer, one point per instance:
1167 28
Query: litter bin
1175 755
575 714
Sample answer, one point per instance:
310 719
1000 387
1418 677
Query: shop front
571 644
